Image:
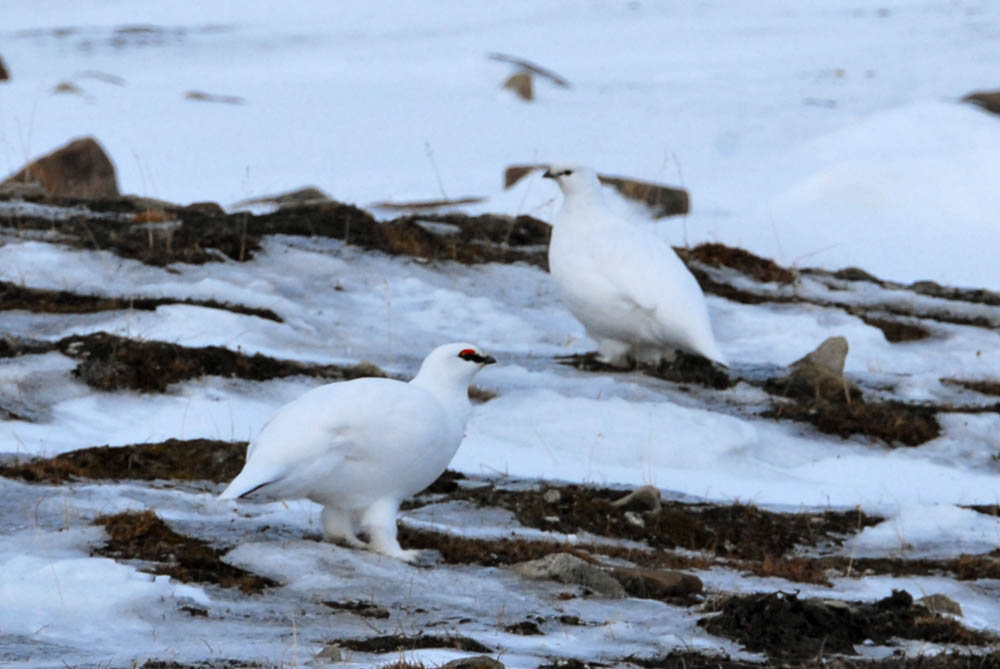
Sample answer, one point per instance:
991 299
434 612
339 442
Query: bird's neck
581 206
452 393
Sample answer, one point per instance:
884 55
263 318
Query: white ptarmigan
626 286
360 447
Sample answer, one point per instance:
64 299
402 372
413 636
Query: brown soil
13 296
946 660
895 423
897 331
193 459
144 536
734 531
982 387
109 362
400 643
202 234
363 609
787 628
685 368
755 267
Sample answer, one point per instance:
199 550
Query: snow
818 134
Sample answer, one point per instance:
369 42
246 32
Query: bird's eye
468 354
566 173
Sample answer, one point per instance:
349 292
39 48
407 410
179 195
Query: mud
784 627
37 300
363 609
145 537
685 368
186 460
109 362
746 263
400 643
895 423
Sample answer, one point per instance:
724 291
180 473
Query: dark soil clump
981 387
524 628
897 331
787 628
144 536
188 460
895 423
363 609
755 267
109 362
685 368
201 234
38 300
400 643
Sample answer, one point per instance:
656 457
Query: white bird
360 447
626 285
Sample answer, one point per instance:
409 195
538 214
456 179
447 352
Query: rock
22 190
330 653
662 200
81 169
202 96
656 583
522 85
569 569
303 196
939 603
476 662
205 208
988 100
821 372
552 496
646 498
4 72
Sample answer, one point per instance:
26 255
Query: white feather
360 447
627 286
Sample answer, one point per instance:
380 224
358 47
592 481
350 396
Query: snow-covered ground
818 134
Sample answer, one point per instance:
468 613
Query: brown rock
567 568
656 583
81 169
663 200
988 100
823 371
476 662
522 85
4 72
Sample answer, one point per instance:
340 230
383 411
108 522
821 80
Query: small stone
81 169
552 496
567 568
939 603
987 100
656 583
821 373
331 653
522 84
4 72
635 519
475 662
646 498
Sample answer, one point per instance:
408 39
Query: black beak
487 360
548 175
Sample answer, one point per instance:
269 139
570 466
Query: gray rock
657 583
822 372
567 568
939 603
646 498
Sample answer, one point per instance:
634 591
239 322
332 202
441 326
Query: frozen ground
827 135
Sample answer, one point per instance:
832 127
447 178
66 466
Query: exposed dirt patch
363 609
109 362
400 643
734 531
787 628
946 660
524 628
895 423
199 234
685 368
896 331
144 536
188 460
38 300
210 664
982 387
755 267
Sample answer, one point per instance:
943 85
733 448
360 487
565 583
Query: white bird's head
574 179
450 364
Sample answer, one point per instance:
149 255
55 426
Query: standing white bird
626 286
360 447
